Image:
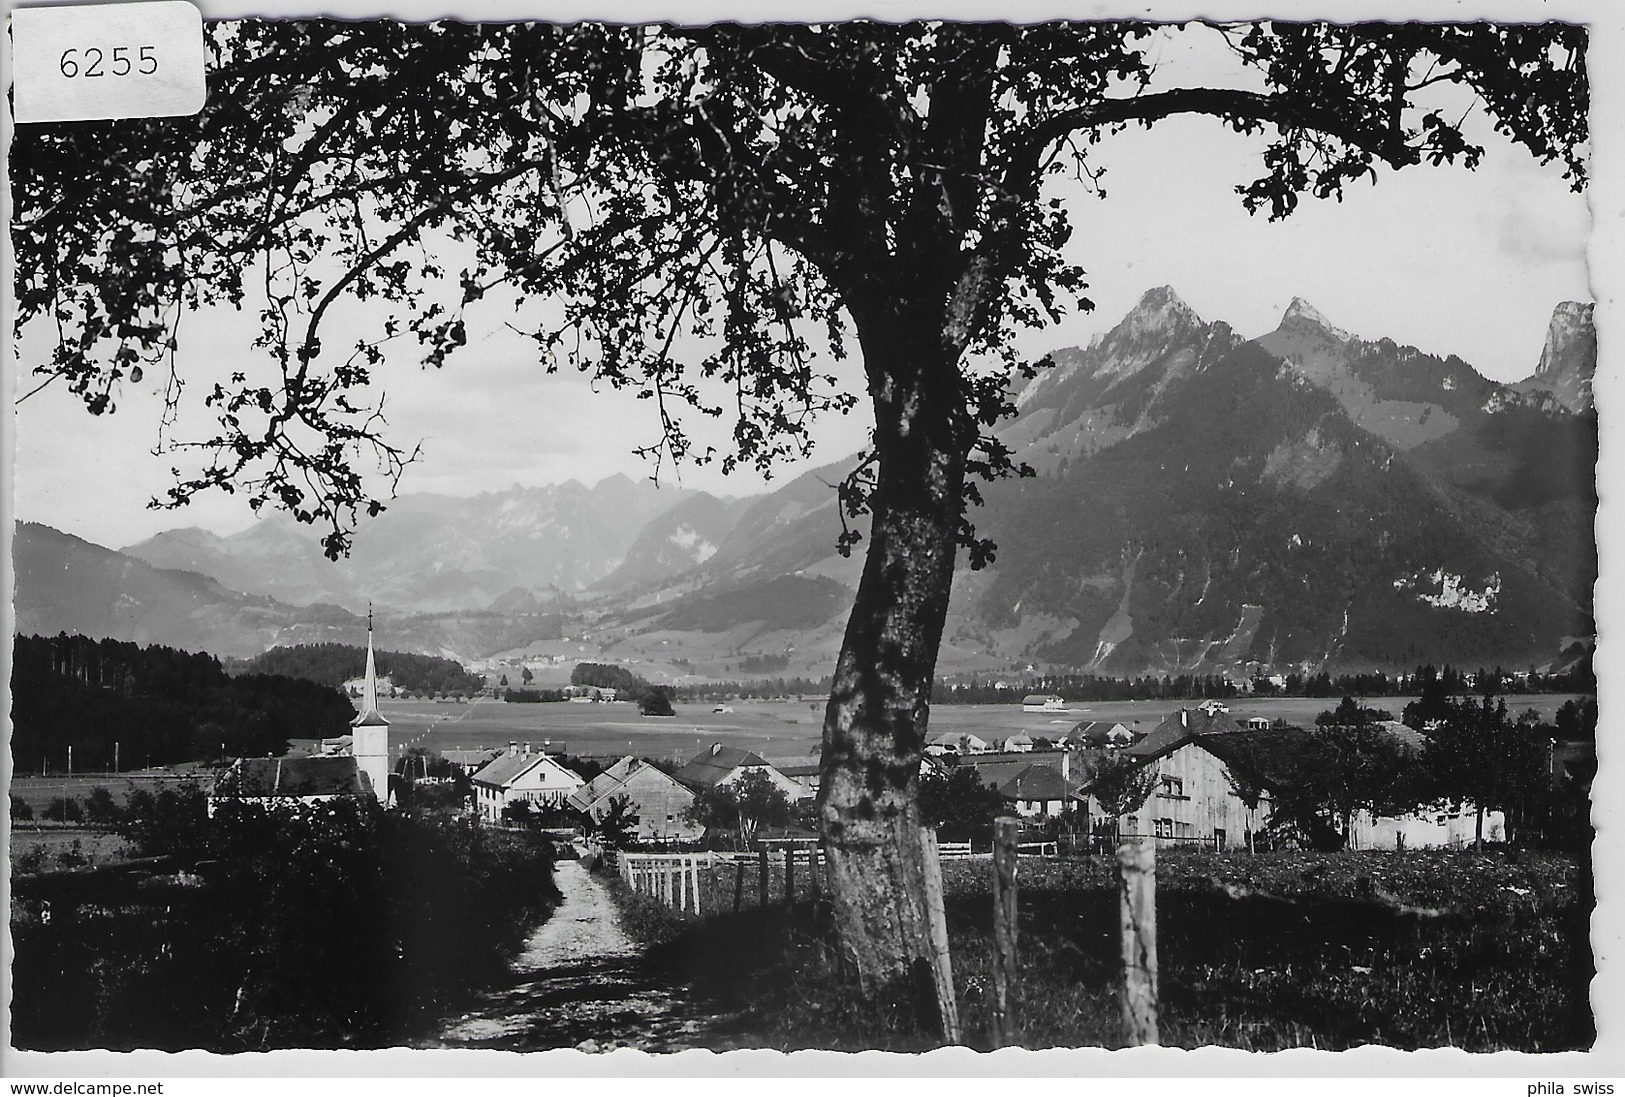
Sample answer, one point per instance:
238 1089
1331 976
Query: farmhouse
521 774
1042 702
657 805
719 765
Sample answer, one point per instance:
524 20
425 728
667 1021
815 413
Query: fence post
1005 834
694 868
1137 909
761 863
812 870
739 884
789 876
942 972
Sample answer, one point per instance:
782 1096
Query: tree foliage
335 925
1480 755
959 804
335 664
1119 783
743 805
751 177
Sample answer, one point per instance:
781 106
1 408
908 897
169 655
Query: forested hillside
335 664
159 705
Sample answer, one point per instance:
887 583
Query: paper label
142 60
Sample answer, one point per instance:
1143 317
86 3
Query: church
290 781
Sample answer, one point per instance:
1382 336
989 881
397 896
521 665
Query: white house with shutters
521 774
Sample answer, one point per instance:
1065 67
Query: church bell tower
369 731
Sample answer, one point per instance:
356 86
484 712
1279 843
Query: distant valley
1203 504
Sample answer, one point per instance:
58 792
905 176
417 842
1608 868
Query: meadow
782 731
1414 949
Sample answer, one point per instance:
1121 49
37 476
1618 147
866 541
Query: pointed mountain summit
1568 361
1098 395
1302 313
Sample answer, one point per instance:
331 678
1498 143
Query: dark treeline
766 689
332 925
157 704
335 664
532 696
608 676
1088 687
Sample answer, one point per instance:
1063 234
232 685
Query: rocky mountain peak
1572 335
1568 361
1302 312
1160 308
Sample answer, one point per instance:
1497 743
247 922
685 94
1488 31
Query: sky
1451 261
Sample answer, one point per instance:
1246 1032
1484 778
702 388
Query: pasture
783 730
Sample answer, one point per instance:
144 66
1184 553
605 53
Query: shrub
64 810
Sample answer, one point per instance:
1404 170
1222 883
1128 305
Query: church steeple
369 734
369 715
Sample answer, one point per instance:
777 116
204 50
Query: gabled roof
713 764
1266 749
259 778
1096 729
470 758
1179 728
1407 737
606 782
508 767
1037 782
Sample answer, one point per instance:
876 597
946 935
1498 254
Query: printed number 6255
92 61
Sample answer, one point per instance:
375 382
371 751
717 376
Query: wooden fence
671 878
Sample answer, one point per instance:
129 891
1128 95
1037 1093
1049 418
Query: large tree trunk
875 725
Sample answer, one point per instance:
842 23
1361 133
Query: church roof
370 717
261 778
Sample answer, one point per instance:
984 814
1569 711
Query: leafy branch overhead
712 211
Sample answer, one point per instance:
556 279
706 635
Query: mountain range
1202 503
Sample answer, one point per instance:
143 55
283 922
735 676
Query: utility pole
115 755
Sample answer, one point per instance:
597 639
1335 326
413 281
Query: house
958 742
719 765
469 761
290 782
385 687
1038 790
521 774
1098 733
805 774
657 804
1042 702
1018 743
1196 752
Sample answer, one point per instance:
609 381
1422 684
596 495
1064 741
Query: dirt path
578 983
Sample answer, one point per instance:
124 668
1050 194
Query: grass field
1412 950
779 730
